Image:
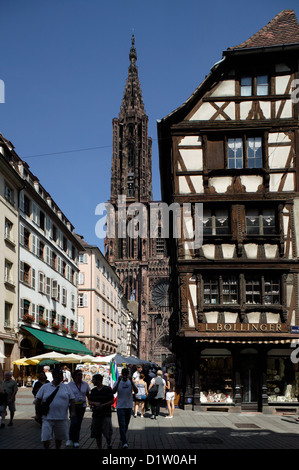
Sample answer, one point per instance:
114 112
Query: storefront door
249 381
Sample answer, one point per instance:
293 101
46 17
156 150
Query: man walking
100 400
55 422
10 387
124 388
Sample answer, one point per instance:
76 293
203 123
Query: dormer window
254 86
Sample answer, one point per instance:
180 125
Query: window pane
269 225
235 153
272 291
211 291
252 222
230 290
207 222
246 86
254 152
253 291
262 85
221 222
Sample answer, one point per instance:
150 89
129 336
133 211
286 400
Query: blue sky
64 64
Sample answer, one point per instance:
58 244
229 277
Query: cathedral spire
132 98
133 54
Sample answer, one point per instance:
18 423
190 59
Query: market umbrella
70 358
25 362
2 356
88 358
49 355
119 359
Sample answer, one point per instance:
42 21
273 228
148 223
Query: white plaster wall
192 158
251 182
224 88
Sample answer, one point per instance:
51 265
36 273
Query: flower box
65 330
43 322
28 318
55 326
73 333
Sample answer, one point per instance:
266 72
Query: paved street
187 431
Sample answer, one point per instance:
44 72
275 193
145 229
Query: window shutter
80 324
21 271
22 234
85 300
33 278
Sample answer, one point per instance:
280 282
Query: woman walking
141 396
170 393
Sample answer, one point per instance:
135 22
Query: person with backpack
156 393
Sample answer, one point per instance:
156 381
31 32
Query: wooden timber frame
234 150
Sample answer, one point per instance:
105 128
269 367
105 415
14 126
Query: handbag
45 405
153 391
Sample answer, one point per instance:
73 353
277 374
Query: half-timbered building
232 147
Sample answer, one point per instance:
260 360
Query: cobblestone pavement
187 431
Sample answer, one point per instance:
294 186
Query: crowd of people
61 400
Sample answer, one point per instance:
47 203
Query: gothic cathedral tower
139 261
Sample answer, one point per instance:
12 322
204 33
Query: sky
64 65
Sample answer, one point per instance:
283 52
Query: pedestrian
140 396
157 399
67 376
137 373
124 388
170 394
3 404
10 387
48 373
42 380
81 392
55 422
100 400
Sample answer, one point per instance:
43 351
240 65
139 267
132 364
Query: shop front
236 376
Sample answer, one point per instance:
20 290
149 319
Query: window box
65 330
43 322
28 318
55 326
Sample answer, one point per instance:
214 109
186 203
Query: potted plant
65 330
28 318
73 333
42 322
55 326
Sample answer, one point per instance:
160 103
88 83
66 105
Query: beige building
10 185
101 305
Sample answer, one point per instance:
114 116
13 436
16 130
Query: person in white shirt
48 373
56 421
81 391
124 388
67 376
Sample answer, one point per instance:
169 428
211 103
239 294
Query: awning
58 343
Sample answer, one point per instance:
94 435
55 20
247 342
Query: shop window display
216 384
282 380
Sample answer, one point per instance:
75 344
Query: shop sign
244 327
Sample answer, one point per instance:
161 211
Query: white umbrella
70 358
87 358
49 355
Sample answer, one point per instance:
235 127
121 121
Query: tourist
159 383
100 400
55 422
81 392
124 388
140 396
170 394
10 387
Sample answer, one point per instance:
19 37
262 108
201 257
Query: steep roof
281 30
